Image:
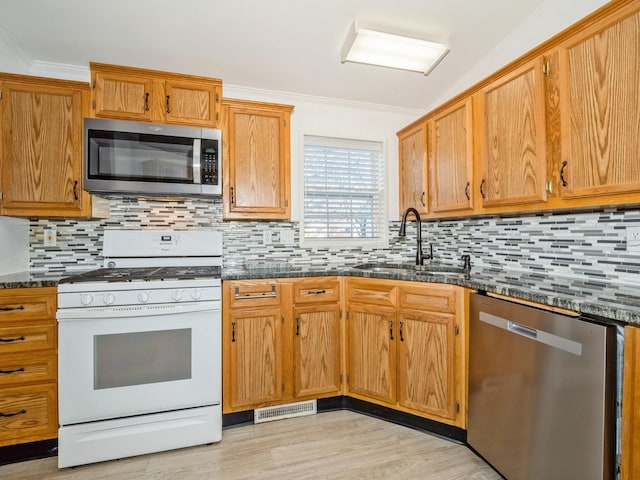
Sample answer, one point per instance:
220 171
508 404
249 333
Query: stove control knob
109 298
196 294
177 295
143 297
86 299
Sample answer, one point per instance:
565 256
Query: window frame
345 242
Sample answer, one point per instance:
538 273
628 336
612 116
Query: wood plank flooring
337 445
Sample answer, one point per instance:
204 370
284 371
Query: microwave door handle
197 176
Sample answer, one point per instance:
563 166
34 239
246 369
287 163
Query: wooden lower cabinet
277 350
410 354
28 365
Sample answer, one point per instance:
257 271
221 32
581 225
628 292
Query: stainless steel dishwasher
541 392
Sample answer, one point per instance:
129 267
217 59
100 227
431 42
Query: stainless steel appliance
139 348
151 159
541 392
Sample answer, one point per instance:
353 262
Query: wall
590 245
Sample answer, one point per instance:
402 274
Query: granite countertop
591 297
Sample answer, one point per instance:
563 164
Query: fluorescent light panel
389 50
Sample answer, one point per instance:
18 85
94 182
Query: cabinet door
372 352
451 159
513 138
122 96
256 162
28 413
600 107
41 164
255 357
413 168
316 350
191 103
427 363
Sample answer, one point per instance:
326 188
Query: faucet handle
466 262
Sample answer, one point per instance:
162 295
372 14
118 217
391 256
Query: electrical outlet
633 239
287 237
267 238
49 237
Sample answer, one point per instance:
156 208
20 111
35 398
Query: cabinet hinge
347 314
282 319
456 330
93 104
457 407
217 98
546 69
340 313
549 187
0 194
0 94
286 203
282 387
285 123
93 85
217 116
347 379
341 378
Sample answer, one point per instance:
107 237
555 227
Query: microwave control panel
209 159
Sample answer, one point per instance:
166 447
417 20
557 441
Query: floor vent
279 412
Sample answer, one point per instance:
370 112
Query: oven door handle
69 314
197 150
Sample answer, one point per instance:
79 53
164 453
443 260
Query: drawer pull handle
401 335
21 412
168 99
391 330
17 339
4 372
298 326
233 331
11 309
246 296
317 292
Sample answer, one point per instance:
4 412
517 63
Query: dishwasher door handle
522 330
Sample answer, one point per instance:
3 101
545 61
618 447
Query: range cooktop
144 274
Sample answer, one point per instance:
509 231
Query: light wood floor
331 445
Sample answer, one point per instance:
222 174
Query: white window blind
343 188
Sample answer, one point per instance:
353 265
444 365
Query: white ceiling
277 45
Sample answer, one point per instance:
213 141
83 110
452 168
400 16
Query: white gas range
139 347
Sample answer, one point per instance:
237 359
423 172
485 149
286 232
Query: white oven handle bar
69 314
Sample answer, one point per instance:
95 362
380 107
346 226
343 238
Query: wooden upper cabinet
153 96
412 144
600 107
256 160
41 147
451 159
512 138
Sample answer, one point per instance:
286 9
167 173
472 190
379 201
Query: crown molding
60 70
252 93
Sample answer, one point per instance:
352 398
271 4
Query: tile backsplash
587 244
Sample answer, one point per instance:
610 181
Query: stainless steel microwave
151 159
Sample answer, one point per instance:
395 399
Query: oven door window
140 157
139 358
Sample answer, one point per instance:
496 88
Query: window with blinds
343 189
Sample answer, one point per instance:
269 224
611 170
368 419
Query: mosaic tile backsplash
589 244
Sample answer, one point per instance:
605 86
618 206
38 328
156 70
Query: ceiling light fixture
390 50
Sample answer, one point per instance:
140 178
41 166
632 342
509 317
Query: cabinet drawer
27 339
250 293
16 308
316 290
28 413
433 298
24 368
374 291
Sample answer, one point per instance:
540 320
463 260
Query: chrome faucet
403 232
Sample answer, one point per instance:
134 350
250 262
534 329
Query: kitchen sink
438 269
